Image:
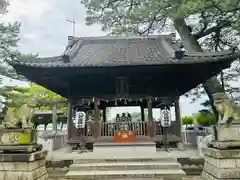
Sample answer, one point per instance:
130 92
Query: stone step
125 148
124 166
124 159
126 174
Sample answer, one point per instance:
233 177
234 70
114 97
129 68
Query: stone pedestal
221 164
19 166
228 134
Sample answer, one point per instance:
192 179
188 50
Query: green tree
47 99
202 25
187 120
9 36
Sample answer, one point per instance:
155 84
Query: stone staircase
135 165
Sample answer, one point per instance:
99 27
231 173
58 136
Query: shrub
206 119
186 120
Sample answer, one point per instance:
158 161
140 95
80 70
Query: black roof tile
124 51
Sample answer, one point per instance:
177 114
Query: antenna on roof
73 23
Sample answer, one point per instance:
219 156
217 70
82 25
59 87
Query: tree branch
213 29
149 26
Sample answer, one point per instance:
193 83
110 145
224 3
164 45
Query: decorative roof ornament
71 49
235 47
174 38
179 53
66 58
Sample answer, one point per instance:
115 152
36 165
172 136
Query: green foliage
215 24
20 94
146 16
206 119
9 36
187 120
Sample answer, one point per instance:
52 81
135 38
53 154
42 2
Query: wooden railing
110 128
87 131
159 130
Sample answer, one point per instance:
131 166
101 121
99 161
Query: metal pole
74 22
73 25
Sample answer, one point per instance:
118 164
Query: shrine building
94 73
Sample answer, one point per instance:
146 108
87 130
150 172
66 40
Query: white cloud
29 9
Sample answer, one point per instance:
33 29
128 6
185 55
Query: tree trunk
212 85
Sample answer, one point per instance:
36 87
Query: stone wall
17 166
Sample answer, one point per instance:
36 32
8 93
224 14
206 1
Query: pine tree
9 36
202 25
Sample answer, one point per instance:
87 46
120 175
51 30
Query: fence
52 140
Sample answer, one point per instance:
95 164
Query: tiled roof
124 51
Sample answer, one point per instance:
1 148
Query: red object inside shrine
125 136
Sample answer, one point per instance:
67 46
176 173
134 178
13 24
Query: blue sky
44 30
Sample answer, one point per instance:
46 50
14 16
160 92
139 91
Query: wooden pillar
150 117
69 119
149 106
142 113
104 114
178 122
97 122
96 110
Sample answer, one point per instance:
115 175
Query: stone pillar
221 164
54 118
69 120
21 166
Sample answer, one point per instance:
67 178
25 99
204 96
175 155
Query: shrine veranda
94 73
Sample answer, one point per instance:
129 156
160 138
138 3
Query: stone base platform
16 166
221 164
225 145
125 161
149 147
